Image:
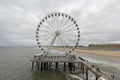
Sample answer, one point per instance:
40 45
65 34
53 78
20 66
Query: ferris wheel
57 30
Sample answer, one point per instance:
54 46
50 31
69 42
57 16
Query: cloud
98 20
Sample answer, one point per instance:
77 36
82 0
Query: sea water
15 65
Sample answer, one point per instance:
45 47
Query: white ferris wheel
57 30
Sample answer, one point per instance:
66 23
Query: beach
104 53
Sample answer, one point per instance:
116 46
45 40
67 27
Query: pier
70 64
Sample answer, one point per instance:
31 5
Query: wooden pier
70 63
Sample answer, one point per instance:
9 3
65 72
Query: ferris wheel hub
57 32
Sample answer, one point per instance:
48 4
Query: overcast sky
99 20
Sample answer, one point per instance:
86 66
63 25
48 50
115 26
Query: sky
98 20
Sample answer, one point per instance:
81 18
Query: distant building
105 46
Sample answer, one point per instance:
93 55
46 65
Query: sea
15 64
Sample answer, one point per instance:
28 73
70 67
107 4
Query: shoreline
110 54
102 53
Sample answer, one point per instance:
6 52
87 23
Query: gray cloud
99 20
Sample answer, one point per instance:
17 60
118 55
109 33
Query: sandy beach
104 53
112 54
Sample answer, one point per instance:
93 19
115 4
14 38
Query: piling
41 66
86 74
64 66
70 66
56 65
32 65
73 66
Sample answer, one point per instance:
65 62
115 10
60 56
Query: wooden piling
44 65
81 66
32 65
83 69
41 66
73 66
70 66
38 65
64 66
96 77
78 65
49 64
56 65
86 74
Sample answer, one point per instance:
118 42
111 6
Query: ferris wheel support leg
57 33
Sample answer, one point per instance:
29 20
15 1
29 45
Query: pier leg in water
32 65
96 77
73 66
41 66
64 66
86 74
78 65
45 64
49 64
83 69
81 66
38 65
70 66
56 65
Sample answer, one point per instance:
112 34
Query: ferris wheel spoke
46 27
57 21
70 30
50 25
45 31
57 42
66 23
52 22
46 39
72 41
62 43
61 22
70 35
68 26
67 37
43 35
